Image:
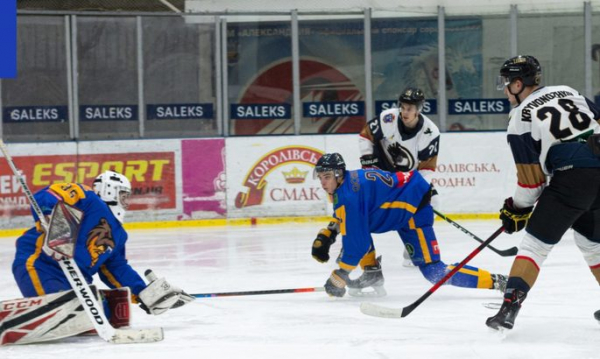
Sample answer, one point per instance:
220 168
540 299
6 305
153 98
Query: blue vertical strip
8 38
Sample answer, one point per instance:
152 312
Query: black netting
100 5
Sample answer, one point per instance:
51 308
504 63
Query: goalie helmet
413 96
333 162
114 189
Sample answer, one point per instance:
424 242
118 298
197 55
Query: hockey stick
80 286
384 312
504 253
259 292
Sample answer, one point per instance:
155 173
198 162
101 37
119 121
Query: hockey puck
597 315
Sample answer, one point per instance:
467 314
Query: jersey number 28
579 120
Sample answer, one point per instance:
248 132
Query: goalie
86 224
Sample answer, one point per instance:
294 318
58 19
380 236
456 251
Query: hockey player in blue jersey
554 134
99 247
374 201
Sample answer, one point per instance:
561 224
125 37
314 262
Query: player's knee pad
590 250
117 306
434 272
534 249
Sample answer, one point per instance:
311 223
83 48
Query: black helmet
526 68
413 96
330 162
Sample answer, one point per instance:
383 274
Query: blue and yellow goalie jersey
100 245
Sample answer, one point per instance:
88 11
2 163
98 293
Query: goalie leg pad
117 306
40 319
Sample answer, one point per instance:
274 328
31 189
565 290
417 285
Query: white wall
422 7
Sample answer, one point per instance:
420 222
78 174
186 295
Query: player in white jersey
402 139
554 136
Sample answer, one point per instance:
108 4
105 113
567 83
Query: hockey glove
336 284
321 245
514 219
369 161
160 296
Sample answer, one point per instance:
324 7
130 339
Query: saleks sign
281 176
152 176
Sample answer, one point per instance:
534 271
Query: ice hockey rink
556 320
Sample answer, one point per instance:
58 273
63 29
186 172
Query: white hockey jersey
548 117
401 148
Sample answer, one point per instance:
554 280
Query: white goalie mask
114 189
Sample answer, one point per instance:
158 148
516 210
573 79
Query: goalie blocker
58 315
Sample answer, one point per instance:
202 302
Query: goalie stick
504 253
259 292
80 286
384 312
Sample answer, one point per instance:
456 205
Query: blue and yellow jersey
100 246
374 201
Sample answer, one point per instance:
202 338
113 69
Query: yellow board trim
228 222
30 265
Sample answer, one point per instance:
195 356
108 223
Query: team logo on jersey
410 249
401 157
99 240
389 118
428 131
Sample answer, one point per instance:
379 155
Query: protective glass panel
259 72
179 77
332 76
35 103
557 41
405 54
476 47
107 78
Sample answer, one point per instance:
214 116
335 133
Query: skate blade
495 306
499 333
375 293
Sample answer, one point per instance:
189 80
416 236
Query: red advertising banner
152 176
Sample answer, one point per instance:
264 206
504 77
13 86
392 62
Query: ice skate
499 281
508 312
372 277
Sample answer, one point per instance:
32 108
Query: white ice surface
556 320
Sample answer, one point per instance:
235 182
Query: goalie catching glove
324 240
160 296
514 219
